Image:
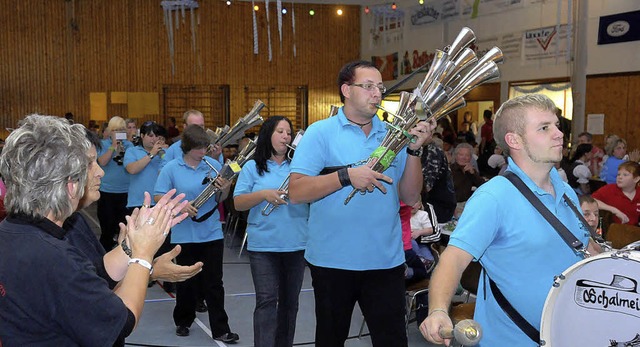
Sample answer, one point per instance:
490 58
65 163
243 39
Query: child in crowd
591 212
497 161
424 231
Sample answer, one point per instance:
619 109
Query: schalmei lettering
609 301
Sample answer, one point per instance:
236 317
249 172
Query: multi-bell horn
229 171
465 38
454 71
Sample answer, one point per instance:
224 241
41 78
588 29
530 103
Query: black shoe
201 306
228 337
151 283
182 331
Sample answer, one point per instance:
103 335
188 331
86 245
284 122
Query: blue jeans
277 278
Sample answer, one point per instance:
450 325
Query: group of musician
297 217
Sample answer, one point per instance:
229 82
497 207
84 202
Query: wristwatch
415 153
150 156
126 248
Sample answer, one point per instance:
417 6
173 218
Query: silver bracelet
440 310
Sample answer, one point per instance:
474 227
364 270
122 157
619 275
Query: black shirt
50 294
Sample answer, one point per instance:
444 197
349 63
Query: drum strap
522 323
562 230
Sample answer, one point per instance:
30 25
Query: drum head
596 303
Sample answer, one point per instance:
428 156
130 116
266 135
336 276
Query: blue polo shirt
116 178
177 174
143 181
174 151
285 229
366 233
519 250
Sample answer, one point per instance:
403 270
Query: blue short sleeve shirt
285 229
366 233
177 174
143 181
518 249
116 178
174 151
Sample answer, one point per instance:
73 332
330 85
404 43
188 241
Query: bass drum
595 303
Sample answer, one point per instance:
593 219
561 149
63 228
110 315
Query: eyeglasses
371 87
148 123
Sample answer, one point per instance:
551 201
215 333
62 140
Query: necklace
361 125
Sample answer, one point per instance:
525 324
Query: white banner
547 45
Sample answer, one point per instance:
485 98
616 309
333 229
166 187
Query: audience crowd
135 163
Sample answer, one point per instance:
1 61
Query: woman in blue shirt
112 206
200 236
277 241
142 162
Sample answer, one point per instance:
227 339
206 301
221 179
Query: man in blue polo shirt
355 251
518 249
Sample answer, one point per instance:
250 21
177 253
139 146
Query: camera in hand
119 158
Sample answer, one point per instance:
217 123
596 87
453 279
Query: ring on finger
146 206
150 220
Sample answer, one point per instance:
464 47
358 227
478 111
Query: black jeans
277 278
380 294
209 280
112 208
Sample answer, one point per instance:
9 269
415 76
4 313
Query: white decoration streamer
293 26
279 9
177 18
179 6
168 20
266 6
255 29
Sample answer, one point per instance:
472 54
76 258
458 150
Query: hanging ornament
266 9
279 11
293 27
179 7
255 28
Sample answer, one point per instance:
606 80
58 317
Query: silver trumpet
285 184
229 171
454 71
284 196
294 143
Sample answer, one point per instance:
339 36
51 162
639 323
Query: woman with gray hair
44 280
465 176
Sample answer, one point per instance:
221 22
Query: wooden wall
618 98
55 52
